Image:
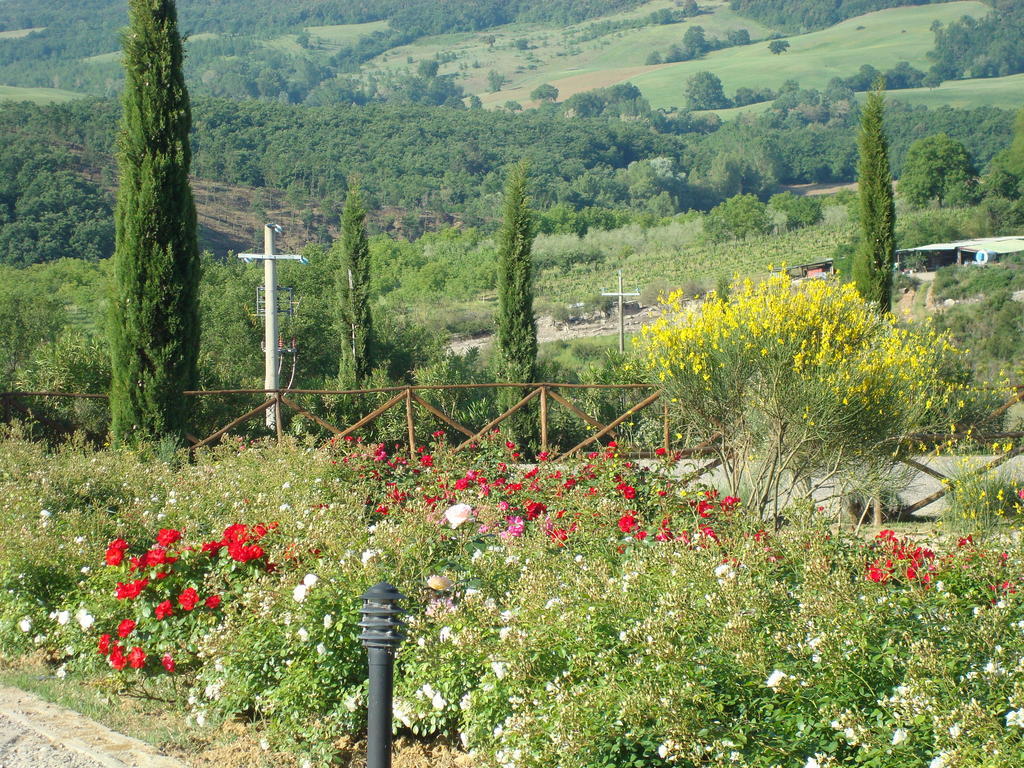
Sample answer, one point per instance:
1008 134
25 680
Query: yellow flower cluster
778 334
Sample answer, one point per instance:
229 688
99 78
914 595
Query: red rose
117 659
163 610
212 601
114 556
136 658
158 556
877 575
188 599
535 509
104 645
130 590
235 533
213 547
167 536
243 554
125 628
627 523
167 662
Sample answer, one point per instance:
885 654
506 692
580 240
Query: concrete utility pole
270 311
620 294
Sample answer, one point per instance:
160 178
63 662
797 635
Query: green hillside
882 39
559 53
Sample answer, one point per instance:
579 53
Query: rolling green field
1003 92
559 52
37 95
326 39
14 34
881 39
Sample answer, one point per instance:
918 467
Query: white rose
457 514
775 679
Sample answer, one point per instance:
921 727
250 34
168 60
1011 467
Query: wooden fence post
278 411
666 442
544 419
410 424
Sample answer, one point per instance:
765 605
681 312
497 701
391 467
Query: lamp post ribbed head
381 625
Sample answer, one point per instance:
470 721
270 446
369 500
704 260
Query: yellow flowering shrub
802 386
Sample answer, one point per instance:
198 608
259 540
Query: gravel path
37 734
22 748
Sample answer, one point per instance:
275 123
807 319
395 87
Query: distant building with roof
928 258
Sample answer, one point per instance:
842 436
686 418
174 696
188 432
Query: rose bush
592 613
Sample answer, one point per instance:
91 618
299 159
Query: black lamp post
381 637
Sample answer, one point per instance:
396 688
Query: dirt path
37 734
548 330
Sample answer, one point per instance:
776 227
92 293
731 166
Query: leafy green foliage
986 47
937 168
800 211
704 91
800 15
49 207
154 331
545 92
738 217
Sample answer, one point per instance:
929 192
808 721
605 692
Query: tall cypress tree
353 282
154 329
517 329
873 262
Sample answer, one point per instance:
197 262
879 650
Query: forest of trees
988 47
803 15
432 159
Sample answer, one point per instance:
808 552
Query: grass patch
37 95
1004 92
16 34
573 354
103 58
342 35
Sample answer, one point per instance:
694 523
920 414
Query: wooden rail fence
411 399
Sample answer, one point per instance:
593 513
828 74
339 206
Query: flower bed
587 614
